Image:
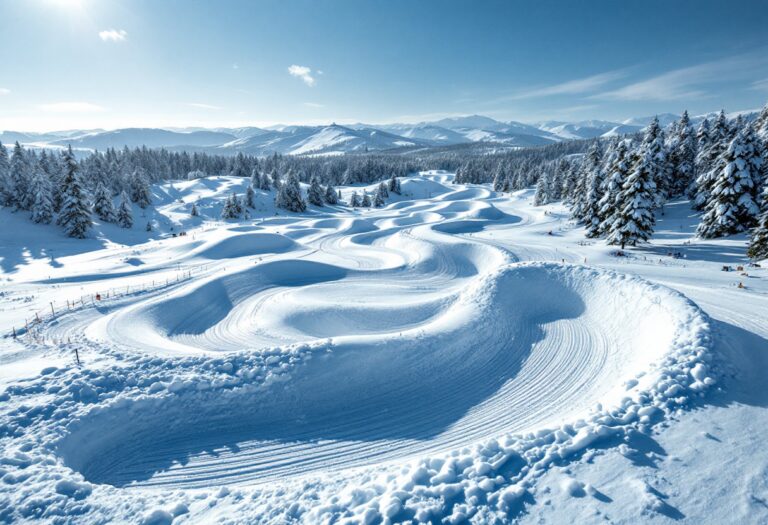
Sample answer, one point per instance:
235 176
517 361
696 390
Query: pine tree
761 125
394 184
264 183
366 202
634 220
75 215
289 195
124 213
255 177
709 161
499 177
655 152
732 206
315 192
233 208
379 199
592 218
140 193
149 226
330 195
383 189
758 240
6 184
19 175
239 166
540 196
617 172
250 197
703 140
682 157
42 208
193 211
276 180
102 204
590 165
354 200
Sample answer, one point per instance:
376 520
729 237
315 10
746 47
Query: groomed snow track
430 343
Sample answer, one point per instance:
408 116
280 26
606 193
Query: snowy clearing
457 354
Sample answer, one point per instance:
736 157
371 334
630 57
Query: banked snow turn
416 371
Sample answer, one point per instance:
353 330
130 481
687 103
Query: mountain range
336 139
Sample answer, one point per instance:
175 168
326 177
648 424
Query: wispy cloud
302 72
71 107
690 82
203 106
760 85
113 35
314 105
571 87
5 91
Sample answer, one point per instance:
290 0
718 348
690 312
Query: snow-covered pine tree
384 190
633 221
42 207
732 206
394 184
682 157
379 200
761 125
250 197
499 177
699 164
330 195
570 178
6 185
758 239
709 160
239 166
264 183
655 151
590 164
124 213
20 178
617 172
354 200
255 177
289 195
233 208
102 203
540 196
275 179
193 211
315 192
591 214
148 226
75 214
366 202
140 193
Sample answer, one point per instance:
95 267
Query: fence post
52 311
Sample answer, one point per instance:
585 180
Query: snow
442 358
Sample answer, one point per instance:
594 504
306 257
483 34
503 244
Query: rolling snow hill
454 356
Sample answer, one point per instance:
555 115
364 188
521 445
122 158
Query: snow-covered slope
455 355
150 137
296 140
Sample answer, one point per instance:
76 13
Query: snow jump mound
526 347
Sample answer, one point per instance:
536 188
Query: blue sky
100 63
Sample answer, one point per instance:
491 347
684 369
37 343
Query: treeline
722 166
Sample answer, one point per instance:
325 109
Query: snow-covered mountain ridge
337 139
